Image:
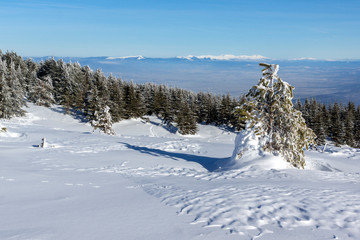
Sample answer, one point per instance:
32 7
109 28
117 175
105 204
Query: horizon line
223 57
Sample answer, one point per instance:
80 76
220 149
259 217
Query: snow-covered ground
149 183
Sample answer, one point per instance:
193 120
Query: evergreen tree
225 110
350 124
237 114
4 96
298 106
336 125
88 92
357 127
325 119
134 105
79 89
161 103
185 120
116 99
42 92
306 112
316 121
50 67
102 121
11 92
94 104
320 125
270 113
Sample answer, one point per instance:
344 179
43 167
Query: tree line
336 122
81 90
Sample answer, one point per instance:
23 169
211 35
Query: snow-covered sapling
279 128
102 120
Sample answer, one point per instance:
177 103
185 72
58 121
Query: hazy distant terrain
325 80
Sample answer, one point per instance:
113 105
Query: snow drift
248 153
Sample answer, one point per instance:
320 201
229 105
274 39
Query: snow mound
248 154
5 133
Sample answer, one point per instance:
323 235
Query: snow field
150 183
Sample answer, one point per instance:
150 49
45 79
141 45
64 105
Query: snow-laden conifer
270 115
102 121
11 92
41 91
185 120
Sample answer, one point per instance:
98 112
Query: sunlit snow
148 182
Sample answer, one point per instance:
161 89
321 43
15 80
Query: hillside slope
150 183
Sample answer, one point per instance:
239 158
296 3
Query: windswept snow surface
150 183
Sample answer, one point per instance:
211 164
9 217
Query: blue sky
166 28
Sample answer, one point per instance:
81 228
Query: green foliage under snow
270 112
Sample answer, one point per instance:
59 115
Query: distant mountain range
325 80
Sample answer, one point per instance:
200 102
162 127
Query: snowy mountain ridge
224 57
139 57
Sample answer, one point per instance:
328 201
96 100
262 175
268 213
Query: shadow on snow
209 163
73 113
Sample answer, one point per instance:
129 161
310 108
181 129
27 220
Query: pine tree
298 106
116 99
357 127
11 92
102 121
185 120
94 104
237 114
161 103
134 103
306 112
42 92
225 110
321 123
50 67
350 124
270 113
325 119
88 91
79 89
316 121
4 96
336 125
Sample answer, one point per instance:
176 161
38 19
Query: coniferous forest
103 100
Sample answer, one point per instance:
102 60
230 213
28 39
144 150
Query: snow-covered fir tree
185 120
102 121
11 91
270 115
116 98
42 92
337 126
350 124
